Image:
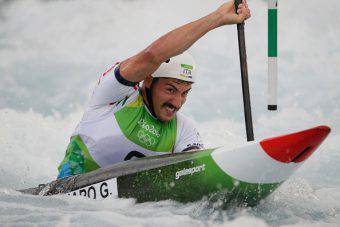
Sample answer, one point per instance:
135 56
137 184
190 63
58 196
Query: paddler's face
168 97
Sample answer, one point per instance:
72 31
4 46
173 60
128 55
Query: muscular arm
138 67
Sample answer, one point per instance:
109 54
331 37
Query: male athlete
125 121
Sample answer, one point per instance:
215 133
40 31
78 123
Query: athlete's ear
148 81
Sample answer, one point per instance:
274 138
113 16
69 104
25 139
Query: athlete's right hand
229 16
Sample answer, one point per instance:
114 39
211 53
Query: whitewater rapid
52 53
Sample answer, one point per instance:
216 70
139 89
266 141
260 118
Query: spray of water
52 54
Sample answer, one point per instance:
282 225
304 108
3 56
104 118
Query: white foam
32 145
52 52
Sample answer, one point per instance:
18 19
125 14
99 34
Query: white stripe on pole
272 81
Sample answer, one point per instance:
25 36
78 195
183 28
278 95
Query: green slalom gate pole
272 55
244 75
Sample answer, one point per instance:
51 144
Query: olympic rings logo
146 139
150 128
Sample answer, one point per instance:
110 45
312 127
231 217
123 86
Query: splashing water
52 54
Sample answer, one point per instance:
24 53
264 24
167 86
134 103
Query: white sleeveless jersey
117 125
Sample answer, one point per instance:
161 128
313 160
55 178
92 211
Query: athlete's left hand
228 15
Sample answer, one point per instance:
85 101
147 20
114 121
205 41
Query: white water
52 52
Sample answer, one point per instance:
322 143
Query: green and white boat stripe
191 179
272 53
246 173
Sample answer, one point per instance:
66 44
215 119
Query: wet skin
168 96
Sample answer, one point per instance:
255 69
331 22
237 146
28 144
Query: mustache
167 104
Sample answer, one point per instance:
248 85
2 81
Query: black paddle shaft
244 75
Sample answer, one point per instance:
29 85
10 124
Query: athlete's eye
170 90
186 93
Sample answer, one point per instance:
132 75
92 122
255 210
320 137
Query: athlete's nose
177 101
